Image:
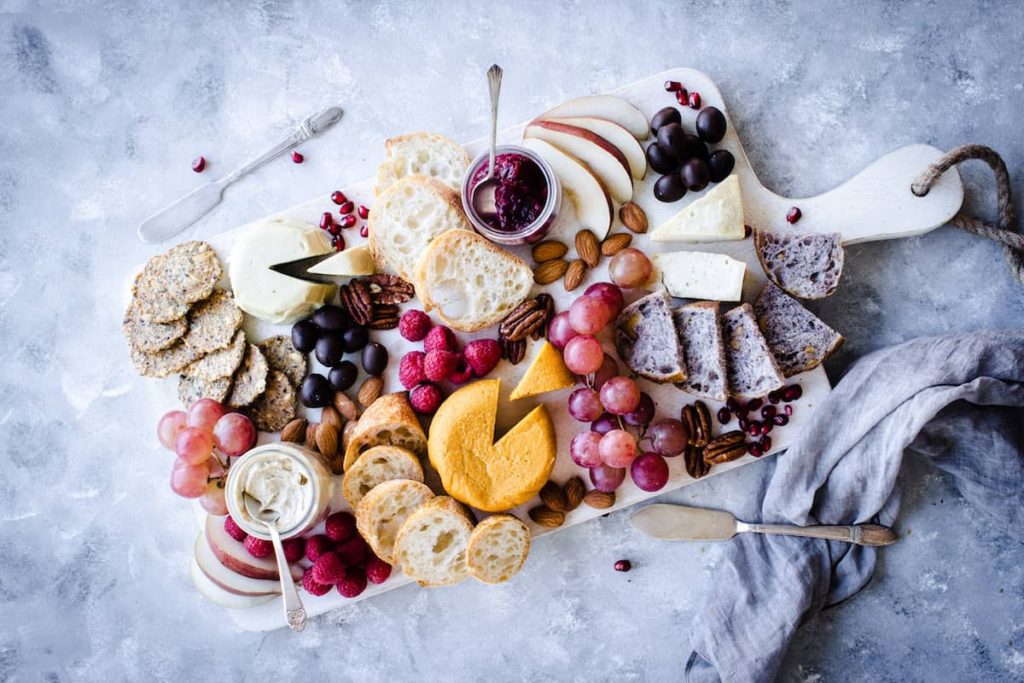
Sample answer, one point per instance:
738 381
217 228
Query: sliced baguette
497 548
431 544
753 371
422 154
376 466
382 511
471 282
799 339
411 213
700 334
389 421
805 265
645 337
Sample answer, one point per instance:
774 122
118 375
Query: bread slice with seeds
376 466
805 265
799 339
422 154
498 548
700 334
382 511
646 339
431 545
753 371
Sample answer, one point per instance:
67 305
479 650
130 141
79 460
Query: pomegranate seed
695 100
348 221
338 242
773 397
792 392
198 164
346 208
768 412
364 232
788 410
364 211
334 229
766 443
744 424
766 429
683 97
794 215
755 428
673 86
724 415
338 197
754 403
780 420
623 566
755 450
326 220
732 405
297 157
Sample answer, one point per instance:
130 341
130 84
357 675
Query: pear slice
601 156
607 107
618 136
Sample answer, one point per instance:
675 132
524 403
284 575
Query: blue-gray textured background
102 107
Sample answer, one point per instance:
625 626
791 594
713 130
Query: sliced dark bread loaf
798 338
646 339
753 371
700 335
806 265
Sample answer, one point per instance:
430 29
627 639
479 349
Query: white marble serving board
875 204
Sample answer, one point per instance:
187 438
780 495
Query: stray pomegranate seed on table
326 220
338 197
683 97
673 86
623 566
297 157
364 232
348 221
794 215
346 207
694 100
364 212
198 164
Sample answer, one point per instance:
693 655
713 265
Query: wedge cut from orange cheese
477 471
547 372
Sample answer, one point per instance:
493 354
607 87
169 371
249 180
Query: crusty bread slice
389 421
431 545
382 511
805 265
799 339
422 154
498 548
645 337
700 334
376 466
470 281
753 371
410 214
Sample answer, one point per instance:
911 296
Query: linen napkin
957 401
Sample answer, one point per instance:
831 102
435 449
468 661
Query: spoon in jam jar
294 611
483 197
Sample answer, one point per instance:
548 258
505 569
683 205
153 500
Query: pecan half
725 448
529 318
356 299
703 420
513 351
385 317
548 304
389 289
693 458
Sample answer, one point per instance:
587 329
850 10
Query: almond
327 440
310 441
370 391
587 248
549 250
344 405
574 492
545 516
633 217
330 416
553 497
574 275
613 244
294 431
599 499
548 272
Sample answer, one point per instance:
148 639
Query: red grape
619 395
204 414
589 315
643 413
630 268
604 424
584 449
194 446
212 499
649 472
170 426
606 478
583 354
234 434
609 368
617 448
584 405
669 437
610 294
560 330
189 481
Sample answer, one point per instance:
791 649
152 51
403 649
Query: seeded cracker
283 357
163 363
150 337
276 406
170 282
250 379
192 388
212 323
222 363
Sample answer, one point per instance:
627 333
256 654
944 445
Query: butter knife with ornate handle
681 523
171 220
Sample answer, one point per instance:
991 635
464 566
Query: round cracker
222 363
192 388
174 358
284 357
276 406
212 323
170 282
150 337
250 378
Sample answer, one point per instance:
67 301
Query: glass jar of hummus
286 478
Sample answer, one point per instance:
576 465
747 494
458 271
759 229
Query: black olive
343 375
330 347
304 335
375 358
315 391
660 160
354 338
672 139
696 148
711 124
669 188
720 165
665 116
332 317
695 174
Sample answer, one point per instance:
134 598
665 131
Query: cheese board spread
434 389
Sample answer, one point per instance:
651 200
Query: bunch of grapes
199 437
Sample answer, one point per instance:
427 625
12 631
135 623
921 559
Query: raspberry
353 584
328 569
482 355
410 370
294 549
439 338
414 325
312 586
377 570
425 398
317 546
234 531
462 371
257 547
340 526
437 365
353 552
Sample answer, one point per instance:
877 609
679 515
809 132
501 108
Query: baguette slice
646 339
422 154
389 421
382 511
470 281
805 265
498 548
753 371
376 466
700 334
410 214
799 339
431 545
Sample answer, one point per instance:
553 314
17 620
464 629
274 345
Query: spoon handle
859 534
294 612
494 81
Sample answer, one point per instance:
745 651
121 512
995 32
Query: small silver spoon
483 200
294 612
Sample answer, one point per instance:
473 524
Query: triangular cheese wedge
354 261
716 216
546 373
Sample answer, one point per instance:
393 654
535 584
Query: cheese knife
682 523
299 268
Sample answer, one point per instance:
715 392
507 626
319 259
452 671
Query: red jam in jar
520 195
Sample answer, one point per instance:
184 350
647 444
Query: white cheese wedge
701 275
716 216
268 295
354 261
